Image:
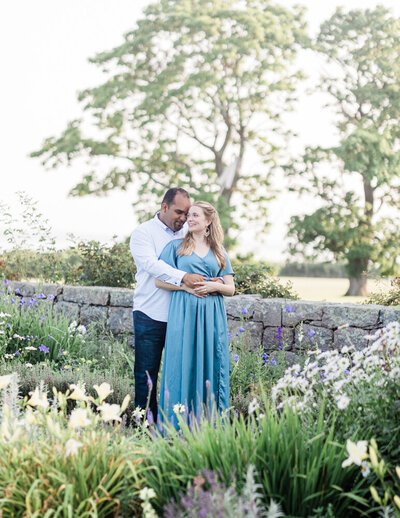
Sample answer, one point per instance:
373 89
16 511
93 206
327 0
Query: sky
45 46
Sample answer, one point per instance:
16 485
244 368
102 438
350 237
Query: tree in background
363 51
186 94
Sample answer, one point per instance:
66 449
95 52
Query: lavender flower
241 330
235 357
289 309
311 333
44 349
244 311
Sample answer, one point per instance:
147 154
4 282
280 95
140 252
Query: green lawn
326 289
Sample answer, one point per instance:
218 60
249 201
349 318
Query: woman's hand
205 287
186 288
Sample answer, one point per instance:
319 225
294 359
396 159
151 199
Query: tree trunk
358 286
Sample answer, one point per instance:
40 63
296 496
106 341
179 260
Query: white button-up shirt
146 244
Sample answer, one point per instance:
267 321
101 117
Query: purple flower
8 326
50 297
244 311
241 330
44 349
273 361
236 334
60 351
49 337
289 309
17 353
265 356
5 282
12 301
311 333
41 296
41 318
17 291
229 336
235 357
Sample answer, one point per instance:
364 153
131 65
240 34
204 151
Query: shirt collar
162 225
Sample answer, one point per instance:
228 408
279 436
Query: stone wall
274 323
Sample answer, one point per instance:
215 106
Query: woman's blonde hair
215 237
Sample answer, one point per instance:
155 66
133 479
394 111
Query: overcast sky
45 46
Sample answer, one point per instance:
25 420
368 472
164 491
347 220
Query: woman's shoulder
173 244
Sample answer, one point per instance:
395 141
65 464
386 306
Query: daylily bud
373 457
375 496
396 500
398 471
125 403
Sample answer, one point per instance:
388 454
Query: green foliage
102 265
256 278
325 269
360 47
299 468
389 297
185 94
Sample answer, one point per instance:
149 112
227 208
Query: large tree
193 86
357 217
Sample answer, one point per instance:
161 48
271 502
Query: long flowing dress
196 356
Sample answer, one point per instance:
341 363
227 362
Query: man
150 304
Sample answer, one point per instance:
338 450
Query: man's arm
146 258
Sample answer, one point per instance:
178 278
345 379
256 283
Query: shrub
256 278
102 265
326 269
387 298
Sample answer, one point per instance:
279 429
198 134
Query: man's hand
190 279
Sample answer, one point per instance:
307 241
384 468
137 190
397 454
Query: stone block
309 337
49 289
121 297
351 336
86 295
389 314
296 311
268 311
95 314
355 315
120 320
235 305
25 289
278 337
68 309
251 334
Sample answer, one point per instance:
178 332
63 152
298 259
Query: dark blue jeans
149 344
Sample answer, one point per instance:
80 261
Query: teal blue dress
196 355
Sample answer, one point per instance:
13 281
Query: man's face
175 215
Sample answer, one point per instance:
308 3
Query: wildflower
49 337
44 349
289 309
343 402
357 453
6 281
138 413
30 348
72 446
241 330
103 390
5 380
244 311
110 412
17 291
78 392
147 493
253 406
235 357
229 336
50 297
38 398
236 334
311 333
179 408
79 418
29 365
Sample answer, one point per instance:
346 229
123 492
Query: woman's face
196 220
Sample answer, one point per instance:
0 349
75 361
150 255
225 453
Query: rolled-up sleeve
146 258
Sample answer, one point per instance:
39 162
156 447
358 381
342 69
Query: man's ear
164 207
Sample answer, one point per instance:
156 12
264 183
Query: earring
207 232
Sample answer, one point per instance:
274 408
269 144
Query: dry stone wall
275 323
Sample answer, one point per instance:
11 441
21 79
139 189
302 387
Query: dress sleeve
169 253
228 267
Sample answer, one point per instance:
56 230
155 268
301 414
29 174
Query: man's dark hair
169 196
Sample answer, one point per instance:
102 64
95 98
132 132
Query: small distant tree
185 95
362 48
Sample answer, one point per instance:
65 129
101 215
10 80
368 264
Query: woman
196 357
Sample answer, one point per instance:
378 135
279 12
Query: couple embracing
182 274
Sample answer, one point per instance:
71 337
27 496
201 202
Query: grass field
326 289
